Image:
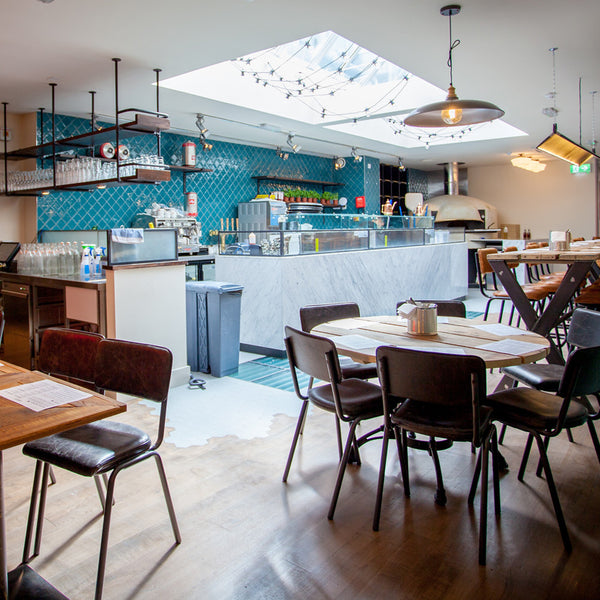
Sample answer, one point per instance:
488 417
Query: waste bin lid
213 287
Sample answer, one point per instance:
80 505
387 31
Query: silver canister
423 320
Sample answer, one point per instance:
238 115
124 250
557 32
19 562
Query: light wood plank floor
247 535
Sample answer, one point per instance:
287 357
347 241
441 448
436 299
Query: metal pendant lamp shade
452 111
562 147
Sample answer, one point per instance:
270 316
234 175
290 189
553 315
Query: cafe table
19 425
581 260
497 344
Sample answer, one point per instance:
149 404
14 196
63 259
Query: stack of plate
305 207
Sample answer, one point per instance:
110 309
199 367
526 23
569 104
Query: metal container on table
423 320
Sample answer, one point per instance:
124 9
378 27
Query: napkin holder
421 318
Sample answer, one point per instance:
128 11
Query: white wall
18 215
551 200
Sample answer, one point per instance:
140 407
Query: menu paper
515 347
43 394
356 342
347 323
438 349
500 329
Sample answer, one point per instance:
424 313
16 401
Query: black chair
542 414
1 326
315 314
445 308
443 395
584 332
351 400
131 368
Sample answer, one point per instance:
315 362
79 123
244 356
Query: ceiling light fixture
453 111
355 155
528 163
283 155
557 144
204 133
401 165
290 142
339 163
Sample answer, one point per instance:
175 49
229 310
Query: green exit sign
586 168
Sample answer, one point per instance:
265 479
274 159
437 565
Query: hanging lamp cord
553 50
453 44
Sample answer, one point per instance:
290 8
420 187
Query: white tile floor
231 406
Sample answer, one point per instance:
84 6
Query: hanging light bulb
453 111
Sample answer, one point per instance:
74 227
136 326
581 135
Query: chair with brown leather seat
132 368
351 400
443 395
315 314
494 292
544 415
445 308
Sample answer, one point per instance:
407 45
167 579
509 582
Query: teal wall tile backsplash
219 192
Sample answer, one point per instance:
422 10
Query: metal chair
315 314
443 395
583 332
131 368
445 308
351 400
545 415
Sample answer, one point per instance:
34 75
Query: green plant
327 196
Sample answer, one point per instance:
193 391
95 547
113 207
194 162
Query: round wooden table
497 344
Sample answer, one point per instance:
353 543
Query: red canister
191 204
189 154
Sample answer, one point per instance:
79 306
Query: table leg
3 567
548 320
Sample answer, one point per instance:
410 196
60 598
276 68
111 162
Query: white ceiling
503 58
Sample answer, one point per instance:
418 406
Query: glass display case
318 233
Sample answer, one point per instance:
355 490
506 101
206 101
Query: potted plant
327 198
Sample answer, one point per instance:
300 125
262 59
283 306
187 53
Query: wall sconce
282 155
290 142
355 155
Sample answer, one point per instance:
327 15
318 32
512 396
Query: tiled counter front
275 288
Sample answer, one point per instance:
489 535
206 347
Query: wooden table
19 425
581 260
454 334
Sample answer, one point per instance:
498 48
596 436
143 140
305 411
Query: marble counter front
276 287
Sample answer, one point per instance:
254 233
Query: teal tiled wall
219 192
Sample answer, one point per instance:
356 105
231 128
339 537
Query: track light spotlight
355 155
339 163
290 142
401 164
201 126
283 155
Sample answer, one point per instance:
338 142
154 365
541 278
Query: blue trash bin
213 326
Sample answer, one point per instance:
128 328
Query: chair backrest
433 378
483 262
311 354
315 314
1 326
134 368
446 308
69 354
584 329
581 377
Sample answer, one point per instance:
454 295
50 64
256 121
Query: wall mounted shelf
275 179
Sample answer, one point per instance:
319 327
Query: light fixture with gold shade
453 111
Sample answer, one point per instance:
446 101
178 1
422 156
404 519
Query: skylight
330 81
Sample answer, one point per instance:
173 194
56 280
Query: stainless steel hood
458 209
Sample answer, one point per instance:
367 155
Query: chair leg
440 493
525 458
487 310
52 477
402 446
380 482
32 510
342 469
501 311
475 480
98 482
502 433
299 426
338 431
538 471
105 531
168 499
485 456
496 470
554 494
570 436
41 510
594 437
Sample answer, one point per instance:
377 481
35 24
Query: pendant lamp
452 111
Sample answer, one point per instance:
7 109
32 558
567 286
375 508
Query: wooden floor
247 535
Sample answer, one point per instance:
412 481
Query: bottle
84 269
